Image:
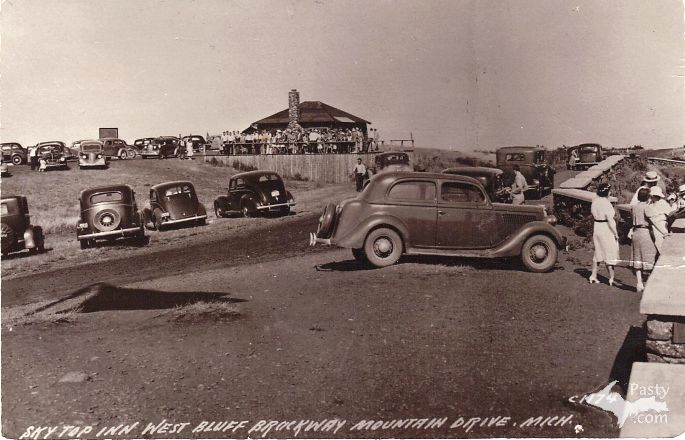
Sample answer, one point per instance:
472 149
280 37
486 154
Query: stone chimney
294 108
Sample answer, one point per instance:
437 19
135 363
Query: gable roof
313 112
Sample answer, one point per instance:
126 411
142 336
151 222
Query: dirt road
312 336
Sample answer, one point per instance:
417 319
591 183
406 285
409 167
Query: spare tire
327 221
107 220
8 239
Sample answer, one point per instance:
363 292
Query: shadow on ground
585 273
106 297
475 263
632 350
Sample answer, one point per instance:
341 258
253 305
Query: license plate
275 193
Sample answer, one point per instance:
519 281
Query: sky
455 74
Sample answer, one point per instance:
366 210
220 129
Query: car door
6 152
414 202
466 219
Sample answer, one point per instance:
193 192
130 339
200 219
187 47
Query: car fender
30 237
222 202
512 246
355 237
201 210
251 197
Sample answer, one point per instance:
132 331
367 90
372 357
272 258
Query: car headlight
61 159
552 220
83 156
99 156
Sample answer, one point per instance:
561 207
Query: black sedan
252 193
174 203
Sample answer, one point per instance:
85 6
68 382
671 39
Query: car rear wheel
247 208
123 155
130 153
539 253
218 212
17 160
383 247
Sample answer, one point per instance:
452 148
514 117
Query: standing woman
643 248
605 235
657 213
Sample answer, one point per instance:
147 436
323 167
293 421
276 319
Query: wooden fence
326 168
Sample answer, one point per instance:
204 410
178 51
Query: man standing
359 173
519 187
33 157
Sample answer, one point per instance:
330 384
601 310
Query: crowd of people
300 141
650 209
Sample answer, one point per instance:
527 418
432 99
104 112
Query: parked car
199 143
14 152
389 161
66 151
252 193
161 148
587 155
115 147
437 214
490 178
91 155
53 154
17 231
109 212
173 203
538 173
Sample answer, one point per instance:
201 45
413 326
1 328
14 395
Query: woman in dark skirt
643 248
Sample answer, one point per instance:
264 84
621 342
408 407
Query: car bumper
274 207
314 240
116 233
183 220
150 154
100 163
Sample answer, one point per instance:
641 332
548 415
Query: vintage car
252 193
199 143
390 161
53 154
115 147
161 148
59 145
490 178
174 203
14 152
109 212
586 155
91 155
538 173
17 231
437 214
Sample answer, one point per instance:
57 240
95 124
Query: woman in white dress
605 234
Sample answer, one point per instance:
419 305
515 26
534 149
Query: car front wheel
218 212
539 253
17 160
383 247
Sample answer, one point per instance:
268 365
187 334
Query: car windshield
588 149
267 178
104 197
178 191
91 148
197 139
393 159
516 157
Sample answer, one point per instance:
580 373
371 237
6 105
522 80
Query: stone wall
663 343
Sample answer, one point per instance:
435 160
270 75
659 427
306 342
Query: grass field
53 196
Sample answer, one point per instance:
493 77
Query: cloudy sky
456 74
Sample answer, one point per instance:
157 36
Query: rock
74 377
665 348
659 330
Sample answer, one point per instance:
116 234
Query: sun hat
656 191
651 176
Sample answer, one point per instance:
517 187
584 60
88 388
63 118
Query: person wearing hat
604 233
650 180
657 213
643 250
680 202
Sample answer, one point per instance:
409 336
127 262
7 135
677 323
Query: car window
516 157
413 190
112 196
239 182
461 192
6 147
267 177
177 190
90 147
153 196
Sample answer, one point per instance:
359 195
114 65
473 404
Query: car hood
523 209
